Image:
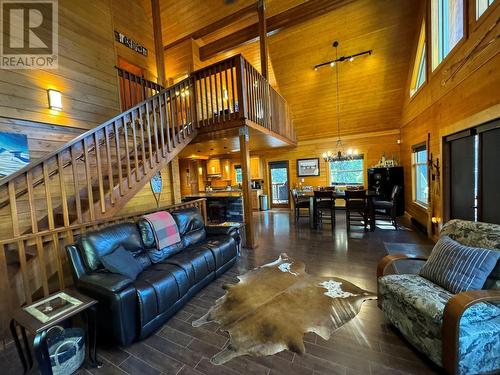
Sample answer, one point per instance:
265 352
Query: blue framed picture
14 153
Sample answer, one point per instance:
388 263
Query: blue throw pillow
459 268
122 262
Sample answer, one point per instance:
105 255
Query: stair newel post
88 175
109 162
147 121
76 183
116 130
127 151
233 89
241 86
20 243
34 229
97 151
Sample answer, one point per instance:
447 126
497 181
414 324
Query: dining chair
356 208
388 209
325 203
299 203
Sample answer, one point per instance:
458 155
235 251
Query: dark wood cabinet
382 180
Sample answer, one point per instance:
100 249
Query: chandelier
340 153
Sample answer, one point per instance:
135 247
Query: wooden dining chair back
388 209
325 206
356 208
299 203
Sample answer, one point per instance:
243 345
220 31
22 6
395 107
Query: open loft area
250 187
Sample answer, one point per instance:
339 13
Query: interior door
279 184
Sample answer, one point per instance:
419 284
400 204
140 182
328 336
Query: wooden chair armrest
389 259
453 312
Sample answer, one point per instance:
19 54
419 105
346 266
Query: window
481 6
419 69
420 184
237 171
447 27
347 172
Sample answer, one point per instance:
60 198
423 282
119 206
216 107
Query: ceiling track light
342 58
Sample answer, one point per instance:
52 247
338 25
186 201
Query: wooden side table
28 322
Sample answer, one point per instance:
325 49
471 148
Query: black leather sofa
130 310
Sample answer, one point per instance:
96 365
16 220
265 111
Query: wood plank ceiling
372 88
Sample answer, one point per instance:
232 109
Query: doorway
279 184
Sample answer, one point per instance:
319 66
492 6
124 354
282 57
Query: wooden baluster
152 112
173 112
217 113
139 120
76 183
191 114
90 194
5 287
212 112
206 96
111 184
233 90
162 123
251 92
224 86
167 121
170 116
131 104
179 109
62 187
143 89
20 244
127 152
183 105
34 229
134 143
118 158
147 121
97 150
199 102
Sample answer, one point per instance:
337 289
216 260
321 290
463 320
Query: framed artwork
307 167
14 153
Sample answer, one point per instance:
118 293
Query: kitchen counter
217 194
221 205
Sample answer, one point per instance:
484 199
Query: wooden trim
270 185
261 7
158 40
453 312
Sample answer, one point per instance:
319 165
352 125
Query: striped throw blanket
164 228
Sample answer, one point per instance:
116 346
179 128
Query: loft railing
14 294
135 89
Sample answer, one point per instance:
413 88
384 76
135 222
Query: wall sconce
55 99
436 220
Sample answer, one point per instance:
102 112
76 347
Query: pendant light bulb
332 64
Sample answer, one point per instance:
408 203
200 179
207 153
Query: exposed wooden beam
291 17
263 38
245 187
160 61
219 24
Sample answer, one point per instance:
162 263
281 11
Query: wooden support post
263 38
245 178
160 61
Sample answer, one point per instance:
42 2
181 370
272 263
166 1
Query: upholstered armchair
460 332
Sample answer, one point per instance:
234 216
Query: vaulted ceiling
372 88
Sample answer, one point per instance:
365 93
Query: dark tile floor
366 345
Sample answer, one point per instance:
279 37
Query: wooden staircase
85 183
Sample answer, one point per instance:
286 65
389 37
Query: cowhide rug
273 306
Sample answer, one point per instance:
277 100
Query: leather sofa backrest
95 244
148 239
191 225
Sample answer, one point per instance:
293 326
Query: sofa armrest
453 312
104 282
217 230
389 259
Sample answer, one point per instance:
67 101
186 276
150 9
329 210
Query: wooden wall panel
444 106
86 75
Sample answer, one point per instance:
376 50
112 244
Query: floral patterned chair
460 332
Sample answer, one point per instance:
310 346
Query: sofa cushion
223 248
191 226
122 262
457 267
196 261
158 288
95 244
156 255
415 306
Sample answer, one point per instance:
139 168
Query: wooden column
245 183
263 38
158 38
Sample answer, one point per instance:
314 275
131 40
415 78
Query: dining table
313 206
